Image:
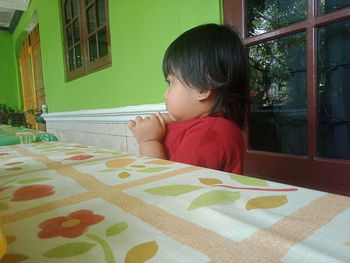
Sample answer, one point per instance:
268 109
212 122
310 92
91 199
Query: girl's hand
152 128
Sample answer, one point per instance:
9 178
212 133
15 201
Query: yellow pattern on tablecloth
176 212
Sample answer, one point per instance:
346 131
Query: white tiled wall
105 128
113 136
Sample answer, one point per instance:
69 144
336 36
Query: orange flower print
31 192
80 157
71 226
8 164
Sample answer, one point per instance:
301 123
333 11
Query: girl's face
184 102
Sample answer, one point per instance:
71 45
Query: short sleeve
206 147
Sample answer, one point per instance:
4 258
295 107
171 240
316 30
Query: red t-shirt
211 142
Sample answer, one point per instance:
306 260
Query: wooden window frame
87 66
332 175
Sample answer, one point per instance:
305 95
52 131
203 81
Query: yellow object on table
3 243
71 203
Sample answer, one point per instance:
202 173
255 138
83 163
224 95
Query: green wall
8 72
140 32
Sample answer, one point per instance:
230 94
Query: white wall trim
111 115
33 21
15 4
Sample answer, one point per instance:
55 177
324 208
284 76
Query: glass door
299 128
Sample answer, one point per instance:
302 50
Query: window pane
101 18
266 15
71 60
76 27
102 42
92 48
327 6
75 7
67 11
278 121
334 91
78 56
69 36
90 14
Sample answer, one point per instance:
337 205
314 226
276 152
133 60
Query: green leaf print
109 257
248 180
217 197
46 147
69 250
8 182
153 170
172 190
32 181
108 170
116 229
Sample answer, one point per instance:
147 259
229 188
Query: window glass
101 18
327 6
75 7
92 48
67 11
102 42
69 36
266 15
71 60
76 29
278 120
90 14
333 107
78 60
86 36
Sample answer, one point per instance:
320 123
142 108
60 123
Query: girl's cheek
165 95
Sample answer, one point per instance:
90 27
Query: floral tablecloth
64 202
10 135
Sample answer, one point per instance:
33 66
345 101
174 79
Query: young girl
207 100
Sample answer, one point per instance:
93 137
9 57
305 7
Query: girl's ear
204 94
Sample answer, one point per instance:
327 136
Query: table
67 202
10 135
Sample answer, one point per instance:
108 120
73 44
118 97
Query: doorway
33 90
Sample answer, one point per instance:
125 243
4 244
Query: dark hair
213 57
